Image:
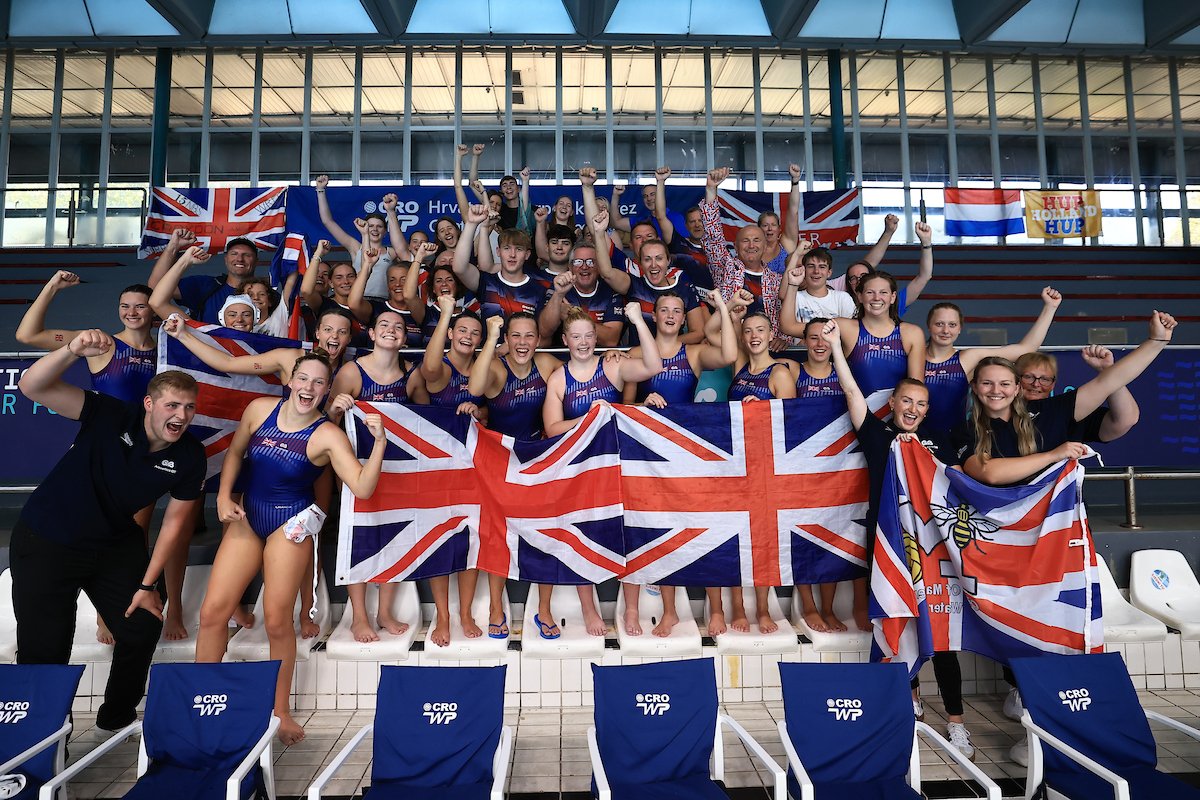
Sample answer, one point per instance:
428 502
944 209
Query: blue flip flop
544 628
501 628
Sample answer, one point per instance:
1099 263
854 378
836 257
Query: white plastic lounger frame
58 738
260 753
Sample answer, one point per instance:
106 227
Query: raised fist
390 201
587 176
477 149
890 223
1051 297
795 171
62 279
662 173
322 181
476 213
924 232
461 149
323 248
716 176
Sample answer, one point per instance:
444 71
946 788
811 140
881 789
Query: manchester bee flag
714 494
983 212
1003 572
216 217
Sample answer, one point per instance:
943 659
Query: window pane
483 88
925 91
433 87
878 102
1014 94
1060 92
733 89
187 87
33 92
333 86
583 87
633 88
782 97
968 78
283 89
233 89
683 88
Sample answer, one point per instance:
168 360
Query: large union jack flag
727 494
1004 572
828 219
222 398
216 216
454 495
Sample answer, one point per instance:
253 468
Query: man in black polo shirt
77 532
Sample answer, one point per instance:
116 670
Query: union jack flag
827 219
454 495
222 398
292 257
1003 572
216 216
726 494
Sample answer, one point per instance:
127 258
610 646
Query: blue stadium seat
849 732
207 732
657 729
439 734
35 704
1086 710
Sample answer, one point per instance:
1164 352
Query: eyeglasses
581 262
1044 380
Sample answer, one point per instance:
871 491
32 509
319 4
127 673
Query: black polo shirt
876 437
108 475
1053 423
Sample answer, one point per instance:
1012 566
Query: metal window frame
1135 168
6 131
1180 157
60 66
110 65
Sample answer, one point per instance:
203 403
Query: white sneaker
11 785
1020 753
1012 705
919 709
956 732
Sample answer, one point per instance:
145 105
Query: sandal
498 630
547 630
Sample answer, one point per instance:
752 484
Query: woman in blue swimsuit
879 347
286 445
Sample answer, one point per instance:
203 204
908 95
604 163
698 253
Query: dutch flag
983 212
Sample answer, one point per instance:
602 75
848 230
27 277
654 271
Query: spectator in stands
341 281
515 211
780 238
880 348
649 211
909 403
1039 373
656 278
238 311
204 294
441 280
676 384
403 282
582 288
371 230
77 531
948 371
810 269
909 293
553 243
513 288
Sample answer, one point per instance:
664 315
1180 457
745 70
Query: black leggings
949 681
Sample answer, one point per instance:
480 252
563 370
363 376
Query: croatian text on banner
716 494
1062 215
1003 572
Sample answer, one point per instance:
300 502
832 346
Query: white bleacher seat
8 621
461 648
1122 621
195 583
406 607
1162 584
755 641
684 641
851 640
575 641
251 644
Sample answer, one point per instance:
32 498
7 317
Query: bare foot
289 731
862 620
363 631
308 628
173 629
739 622
390 624
440 635
815 621
594 623
716 623
663 628
766 624
242 617
103 634
633 625
835 624
470 629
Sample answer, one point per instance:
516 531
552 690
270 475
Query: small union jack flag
1003 572
216 216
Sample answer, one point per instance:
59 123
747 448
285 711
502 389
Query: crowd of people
461 316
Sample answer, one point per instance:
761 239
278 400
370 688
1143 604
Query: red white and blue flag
768 493
827 219
1000 571
222 398
454 495
983 212
216 216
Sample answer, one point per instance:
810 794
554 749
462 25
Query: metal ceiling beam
190 17
590 17
977 21
787 17
1168 19
390 17
5 13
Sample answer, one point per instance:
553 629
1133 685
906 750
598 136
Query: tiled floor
550 754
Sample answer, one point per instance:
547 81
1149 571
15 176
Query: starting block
684 641
406 607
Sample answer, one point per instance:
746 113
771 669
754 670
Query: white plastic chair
251 644
1162 584
684 641
406 607
754 641
851 640
574 641
1123 622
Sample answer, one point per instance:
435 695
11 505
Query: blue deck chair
35 703
657 729
849 732
1100 745
439 734
207 733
